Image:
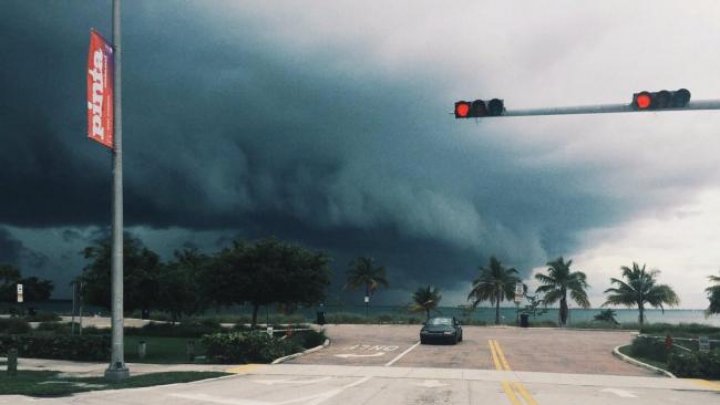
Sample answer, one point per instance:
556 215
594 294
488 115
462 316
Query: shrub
57 327
43 317
13 325
649 348
246 347
309 338
695 364
190 329
681 330
684 364
66 347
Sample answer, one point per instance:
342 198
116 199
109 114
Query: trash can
524 320
145 314
320 318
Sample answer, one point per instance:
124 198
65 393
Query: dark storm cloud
225 130
10 248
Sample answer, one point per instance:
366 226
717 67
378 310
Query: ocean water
508 314
486 314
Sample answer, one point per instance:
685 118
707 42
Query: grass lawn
627 350
47 384
160 350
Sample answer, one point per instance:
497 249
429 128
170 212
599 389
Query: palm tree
559 282
364 273
640 289
495 283
714 296
607 315
425 299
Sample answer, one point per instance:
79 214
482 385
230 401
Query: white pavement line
399 356
296 355
630 360
320 398
219 400
619 392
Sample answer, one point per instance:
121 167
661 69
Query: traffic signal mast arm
678 100
607 108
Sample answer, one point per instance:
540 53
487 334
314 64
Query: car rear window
440 321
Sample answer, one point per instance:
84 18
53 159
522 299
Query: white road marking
399 356
431 384
287 381
619 392
348 355
220 400
314 399
373 347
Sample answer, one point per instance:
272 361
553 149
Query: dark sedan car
441 329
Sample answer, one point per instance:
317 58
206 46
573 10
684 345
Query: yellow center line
707 384
494 355
529 400
502 356
507 387
512 389
243 369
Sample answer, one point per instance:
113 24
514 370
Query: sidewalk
84 369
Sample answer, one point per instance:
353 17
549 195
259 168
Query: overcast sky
327 123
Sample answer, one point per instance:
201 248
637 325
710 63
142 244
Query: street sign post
704 344
518 292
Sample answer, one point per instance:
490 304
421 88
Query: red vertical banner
100 90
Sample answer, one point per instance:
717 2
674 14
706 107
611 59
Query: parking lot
523 349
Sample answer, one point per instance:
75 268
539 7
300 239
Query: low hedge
189 329
43 317
14 325
65 347
247 347
309 338
650 348
695 364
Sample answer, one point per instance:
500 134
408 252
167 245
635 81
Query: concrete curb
296 355
628 359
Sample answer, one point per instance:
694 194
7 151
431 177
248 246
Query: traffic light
462 109
659 100
479 108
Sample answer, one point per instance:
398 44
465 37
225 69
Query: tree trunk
427 314
497 309
256 308
641 315
367 299
563 311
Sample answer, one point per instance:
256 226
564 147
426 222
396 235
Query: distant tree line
639 288
256 273
34 289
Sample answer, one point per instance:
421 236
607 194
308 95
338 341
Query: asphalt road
383 364
526 349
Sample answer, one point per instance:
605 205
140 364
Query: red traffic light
462 109
479 108
660 100
642 100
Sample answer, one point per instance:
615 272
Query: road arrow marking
431 384
348 355
619 392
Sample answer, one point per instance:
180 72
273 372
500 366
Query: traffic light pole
605 109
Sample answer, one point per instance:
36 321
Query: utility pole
117 370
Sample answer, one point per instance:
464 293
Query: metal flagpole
117 369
